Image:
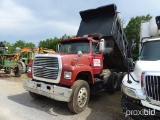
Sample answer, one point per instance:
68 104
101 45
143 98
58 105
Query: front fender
75 70
134 84
29 73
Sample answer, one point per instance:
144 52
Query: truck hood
142 66
67 58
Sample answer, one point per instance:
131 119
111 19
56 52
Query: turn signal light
30 60
73 63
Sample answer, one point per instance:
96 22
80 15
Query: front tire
80 96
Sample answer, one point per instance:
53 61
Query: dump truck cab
84 51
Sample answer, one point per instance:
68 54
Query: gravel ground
16 104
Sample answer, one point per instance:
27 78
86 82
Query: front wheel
80 96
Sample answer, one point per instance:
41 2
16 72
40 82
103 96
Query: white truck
141 87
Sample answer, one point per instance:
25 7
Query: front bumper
52 91
132 104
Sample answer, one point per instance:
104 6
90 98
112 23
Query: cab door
97 63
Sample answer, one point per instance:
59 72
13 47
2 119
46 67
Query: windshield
75 46
150 51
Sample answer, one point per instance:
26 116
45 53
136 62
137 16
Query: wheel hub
82 97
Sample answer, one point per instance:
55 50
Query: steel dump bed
104 21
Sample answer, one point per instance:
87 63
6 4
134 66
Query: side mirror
103 48
128 62
79 53
102 45
57 47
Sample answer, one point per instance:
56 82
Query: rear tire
8 70
35 96
80 96
18 70
24 68
120 77
112 83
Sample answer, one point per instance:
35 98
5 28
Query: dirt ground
16 104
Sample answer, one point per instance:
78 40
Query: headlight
29 69
67 75
130 92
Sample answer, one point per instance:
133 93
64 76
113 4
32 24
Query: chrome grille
46 67
153 87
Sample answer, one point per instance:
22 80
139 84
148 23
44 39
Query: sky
36 20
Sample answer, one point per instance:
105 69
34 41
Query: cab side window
95 47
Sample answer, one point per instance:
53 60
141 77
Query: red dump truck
89 63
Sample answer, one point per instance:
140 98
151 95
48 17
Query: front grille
153 87
46 67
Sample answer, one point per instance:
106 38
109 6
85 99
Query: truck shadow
45 104
105 106
101 106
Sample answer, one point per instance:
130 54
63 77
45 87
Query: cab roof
78 39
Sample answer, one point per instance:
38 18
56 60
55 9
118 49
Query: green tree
19 43
22 44
52 42
65 37
30 45
132 32
49 43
